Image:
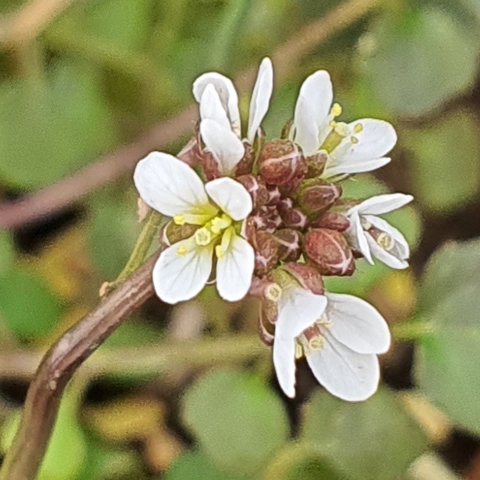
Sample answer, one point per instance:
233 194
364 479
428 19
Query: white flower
356 147
372 235
218 208
340 336
220 126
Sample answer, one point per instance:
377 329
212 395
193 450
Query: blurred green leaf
446 163
27 307
6 253
112 232
417 64
238 422
47 131
447 360
301 461
372 440
194 465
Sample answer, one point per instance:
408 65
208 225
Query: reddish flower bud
172 233
280 161
266 253
306 276
295 218
289 244
190 153
266 218
333 221
316 164
284 205
316 196
329 252
291 187
245 165
255 186
209 166
274 195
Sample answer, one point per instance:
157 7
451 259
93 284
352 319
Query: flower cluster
267 219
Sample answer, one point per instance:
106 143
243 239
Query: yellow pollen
353 140
178 219
385 241
357 128
273 292
219 252
181 251
202 237
336 110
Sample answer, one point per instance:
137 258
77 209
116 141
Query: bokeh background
87 88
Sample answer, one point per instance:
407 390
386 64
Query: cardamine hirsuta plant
266 218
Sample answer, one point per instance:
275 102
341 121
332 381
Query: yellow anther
181 251
298 350
220 223
202 237
273 292
178 219
342 129
316 343
332 124
357 128
336 110
385 241
353 140
219 252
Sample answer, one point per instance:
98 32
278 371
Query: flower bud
274 195
190 153
306 276
316 196
316 164
266 218
333 221
245 165
266 253
295 218
172 233
289 244
329 252
291 187
255 186
280 161
209 166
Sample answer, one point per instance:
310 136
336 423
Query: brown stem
107 169
61 361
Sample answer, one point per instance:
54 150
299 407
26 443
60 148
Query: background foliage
99 74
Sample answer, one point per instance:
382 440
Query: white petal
375 140
211 107
168 185
235 270
344 373
357 237
357 324
312 109
387 258
382 204
262 91
225 146
284 363
298 309
180 277
350 167
226 91
231 197
400 241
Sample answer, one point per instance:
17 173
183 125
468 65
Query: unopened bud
291 187
190 153
209 166
308 277
274 195
329 252
316 164
266 218
289 244
245 165
266 253
295 218
172 233
255 186
316 196
333 221
280 161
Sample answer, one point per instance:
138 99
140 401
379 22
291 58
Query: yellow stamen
298 350
357 128
336 110
353 140
220 223
224 246
179 219
219 251
332 124
335 137
181 251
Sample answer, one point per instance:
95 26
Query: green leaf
6 253
48 131
447 360
446 162
419 62
372 440
27 307
238 422
195 465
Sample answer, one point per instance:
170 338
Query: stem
140 249
413 330
60 363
